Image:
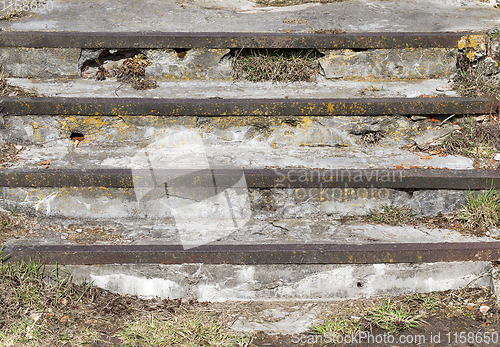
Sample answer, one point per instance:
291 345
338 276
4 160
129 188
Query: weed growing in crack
337 326
393 319
393 215
277 65
195 331
477 141
481 211
474 81
418 301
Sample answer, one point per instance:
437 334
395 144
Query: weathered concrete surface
110 203
390 63
313 229
427 202
244 142
39 62
192 64
280 282
230 16
240 89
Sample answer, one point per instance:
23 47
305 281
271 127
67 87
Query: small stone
18 147
483 309
497 157
79 230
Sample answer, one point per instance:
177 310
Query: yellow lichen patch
474 46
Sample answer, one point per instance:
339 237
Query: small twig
446 119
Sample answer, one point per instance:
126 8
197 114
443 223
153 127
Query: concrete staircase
219 189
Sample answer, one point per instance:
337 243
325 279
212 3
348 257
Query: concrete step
273 272
325 89
271 229
246 16
424 45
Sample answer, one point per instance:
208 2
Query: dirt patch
14 225
477 138
277 65
282 3
444 319
12 9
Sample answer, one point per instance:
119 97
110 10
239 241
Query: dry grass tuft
277 65
372 138
393 215
475 81
473 140
481 212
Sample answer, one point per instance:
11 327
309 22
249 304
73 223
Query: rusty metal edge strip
129 40
246 107
261 254
259 178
